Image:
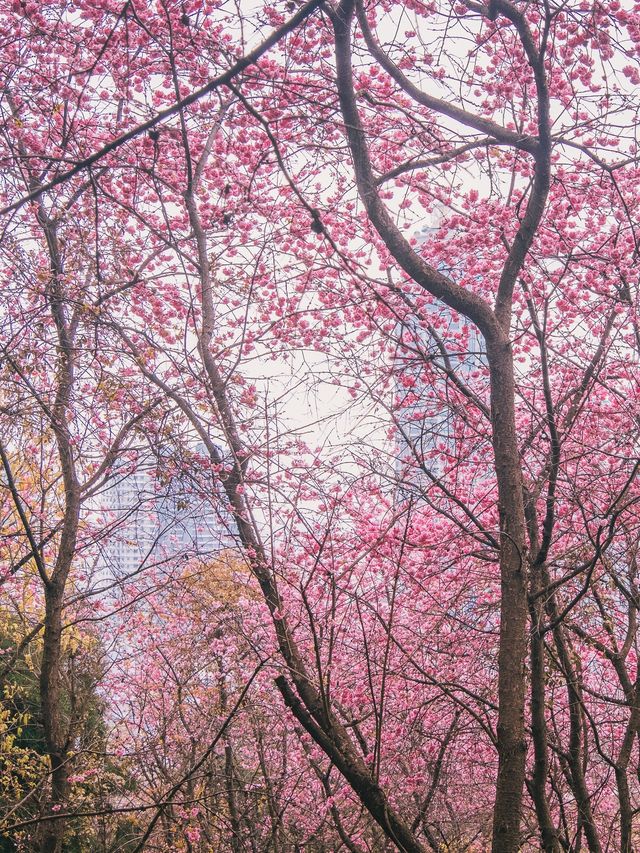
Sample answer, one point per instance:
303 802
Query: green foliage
24 763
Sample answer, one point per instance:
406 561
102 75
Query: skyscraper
436 350
159 514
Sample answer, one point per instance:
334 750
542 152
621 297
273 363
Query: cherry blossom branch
466 302
221 80
437 159
491 128
176 787
36 551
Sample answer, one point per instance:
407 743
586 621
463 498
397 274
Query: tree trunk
52 721
513 602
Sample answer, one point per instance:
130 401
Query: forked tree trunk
494 323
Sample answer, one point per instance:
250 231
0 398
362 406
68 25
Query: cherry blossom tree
424 215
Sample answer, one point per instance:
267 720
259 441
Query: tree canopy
325 316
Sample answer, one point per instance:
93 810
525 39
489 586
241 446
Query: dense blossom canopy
359 281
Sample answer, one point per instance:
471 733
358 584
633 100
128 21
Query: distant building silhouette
451 345
157 515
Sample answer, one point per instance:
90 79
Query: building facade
157 514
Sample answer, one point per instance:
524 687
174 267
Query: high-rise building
156 516
441 345
129 503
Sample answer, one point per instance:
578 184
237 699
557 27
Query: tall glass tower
435 349
157 516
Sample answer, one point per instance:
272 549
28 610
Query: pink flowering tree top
247 229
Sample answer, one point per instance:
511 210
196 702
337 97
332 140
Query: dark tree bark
494 323
56 730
